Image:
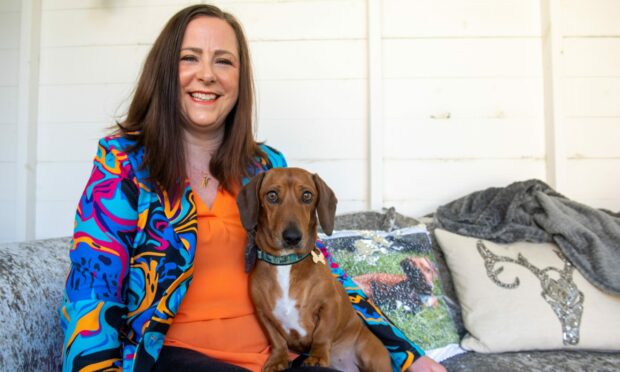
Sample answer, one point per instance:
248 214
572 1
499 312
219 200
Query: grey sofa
32 276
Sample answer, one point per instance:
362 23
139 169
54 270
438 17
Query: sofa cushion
555 360
31 290
526 296
396 269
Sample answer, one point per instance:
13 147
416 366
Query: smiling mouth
204 97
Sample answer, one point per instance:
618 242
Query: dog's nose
291 235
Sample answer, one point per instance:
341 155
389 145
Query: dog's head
282 205
420 273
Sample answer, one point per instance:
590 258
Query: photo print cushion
527 296
397 271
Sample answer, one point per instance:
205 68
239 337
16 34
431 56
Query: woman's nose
206 73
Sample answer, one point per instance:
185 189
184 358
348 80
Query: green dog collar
289 259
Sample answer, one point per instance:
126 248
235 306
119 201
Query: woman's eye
306 197
224 61
272 197
189 58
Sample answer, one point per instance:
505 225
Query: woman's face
208 73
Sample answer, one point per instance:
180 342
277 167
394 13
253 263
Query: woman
159 211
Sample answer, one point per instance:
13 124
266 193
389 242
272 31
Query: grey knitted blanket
532 211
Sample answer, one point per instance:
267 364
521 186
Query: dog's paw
276 364
316 361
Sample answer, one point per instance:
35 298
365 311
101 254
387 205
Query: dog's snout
291 235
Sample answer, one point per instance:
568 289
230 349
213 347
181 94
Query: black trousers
177 359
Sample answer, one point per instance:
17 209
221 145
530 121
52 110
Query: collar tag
317 257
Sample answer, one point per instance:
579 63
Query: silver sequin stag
562 294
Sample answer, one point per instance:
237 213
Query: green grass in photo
431 327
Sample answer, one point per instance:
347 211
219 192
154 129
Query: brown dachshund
299 304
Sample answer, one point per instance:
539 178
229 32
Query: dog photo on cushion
298 302
398 271
410 291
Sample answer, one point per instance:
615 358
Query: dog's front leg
263 304
278 360
322 338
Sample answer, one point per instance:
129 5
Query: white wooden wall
591 95
467 91
463 98
9 66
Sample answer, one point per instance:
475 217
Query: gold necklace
205 178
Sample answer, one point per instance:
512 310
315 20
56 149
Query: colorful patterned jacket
131 265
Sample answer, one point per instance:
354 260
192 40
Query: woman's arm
426 364
94 309
402 351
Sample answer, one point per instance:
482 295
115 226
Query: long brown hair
155 118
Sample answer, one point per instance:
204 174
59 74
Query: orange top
217 316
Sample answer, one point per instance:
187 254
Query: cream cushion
502 319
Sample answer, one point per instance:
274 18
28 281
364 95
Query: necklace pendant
205 181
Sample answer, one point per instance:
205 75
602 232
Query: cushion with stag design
526 296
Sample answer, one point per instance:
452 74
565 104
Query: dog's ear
326 206
249 202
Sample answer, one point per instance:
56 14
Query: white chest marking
285 311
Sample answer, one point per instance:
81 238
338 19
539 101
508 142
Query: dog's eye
272 197
306 197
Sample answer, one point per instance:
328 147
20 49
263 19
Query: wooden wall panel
590 18
447 18
9 28
461 57
591 46
593 137
312 60
64 181
464 138
8 104
10 21
595 182
83 103
92 65
463 98
7 221
8 143
55 218
423 185
60 146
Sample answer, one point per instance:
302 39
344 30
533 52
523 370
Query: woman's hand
426 364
